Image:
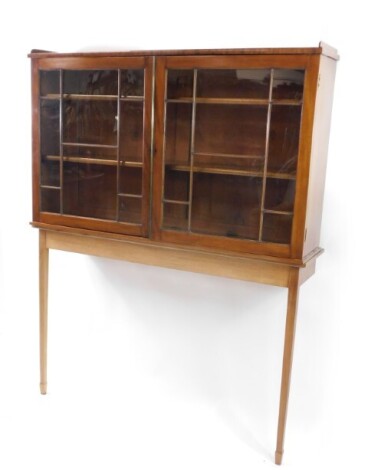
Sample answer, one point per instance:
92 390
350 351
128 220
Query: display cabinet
211 161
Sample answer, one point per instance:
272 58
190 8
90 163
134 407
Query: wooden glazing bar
78 144
270 211
152 142
61 133
118 119
266 157
163 152
45 186
192 138
175 201
137 196
132 98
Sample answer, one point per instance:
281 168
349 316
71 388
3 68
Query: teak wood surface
283 265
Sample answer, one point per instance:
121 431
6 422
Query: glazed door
94 148
228 144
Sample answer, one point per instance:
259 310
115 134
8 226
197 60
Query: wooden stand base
228 265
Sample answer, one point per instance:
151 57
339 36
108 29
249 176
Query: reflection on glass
277 228
178 133
284 139
90 190
76 153
226 205
280 194
231 129
130 180
131 131
175 216
226 165
288 84
50 200
132 83
90 82
49 82
90 122
50 127
179 84
50 172
130 210
176 185
231 83
50 143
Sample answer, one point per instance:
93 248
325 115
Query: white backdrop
158 369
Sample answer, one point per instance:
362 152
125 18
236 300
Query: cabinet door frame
90 63
310 63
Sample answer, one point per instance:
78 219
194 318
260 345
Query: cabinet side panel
35 142
321 129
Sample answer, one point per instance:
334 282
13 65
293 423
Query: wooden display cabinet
210 161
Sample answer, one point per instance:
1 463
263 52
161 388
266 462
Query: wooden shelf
77 96
97 146
230 171
236 101
94 161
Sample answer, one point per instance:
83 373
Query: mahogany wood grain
145 241
35 142
306 135
147 142
176 258
319 151
322 49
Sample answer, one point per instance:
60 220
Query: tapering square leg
44 274
287 360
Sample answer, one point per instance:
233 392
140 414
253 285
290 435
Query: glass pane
284 139
241 83
231 129
50 142
130 209
50 127
179 84
280 195
90 122
176 185
178 133
50 173
90 82
288 84
277 228
132 83
175 216
226 205
130 180
50 200
90 190
49 82
131 132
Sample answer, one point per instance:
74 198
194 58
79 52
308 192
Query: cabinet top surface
322 49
